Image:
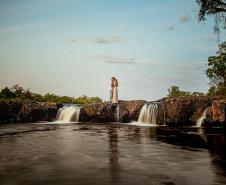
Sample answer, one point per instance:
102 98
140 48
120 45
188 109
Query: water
201 119
68 114
149 114
117 114
68 154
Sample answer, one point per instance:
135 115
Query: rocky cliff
187 110
27 111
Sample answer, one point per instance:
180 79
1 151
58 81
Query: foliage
19 93
86 99
214 8
216 72
7 94
174 91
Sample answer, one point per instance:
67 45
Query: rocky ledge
27 111
171 111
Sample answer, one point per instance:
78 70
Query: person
114 90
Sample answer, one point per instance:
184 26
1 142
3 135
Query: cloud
170 28
21 28
105 40
72 40
184 18
117 60
122 61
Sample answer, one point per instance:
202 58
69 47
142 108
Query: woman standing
114 90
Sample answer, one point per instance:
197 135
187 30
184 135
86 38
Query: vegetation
216 72
214 8
18 92
174 91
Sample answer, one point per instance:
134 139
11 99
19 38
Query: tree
6 93
217 67
18 91
215 8
175 91
28 95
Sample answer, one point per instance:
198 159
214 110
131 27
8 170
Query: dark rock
27 111
107 112
187 110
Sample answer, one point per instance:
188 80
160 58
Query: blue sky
74 47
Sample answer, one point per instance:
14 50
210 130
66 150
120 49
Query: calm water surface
110 154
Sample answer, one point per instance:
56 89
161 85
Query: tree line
19 93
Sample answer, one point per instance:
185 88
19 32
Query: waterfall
201 119
68 113
149 113
117 114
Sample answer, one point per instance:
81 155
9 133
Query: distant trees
174 91
86 99
7 94
216 72
20 93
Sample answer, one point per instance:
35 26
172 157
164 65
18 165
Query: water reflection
113 153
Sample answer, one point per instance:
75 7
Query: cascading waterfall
117 114
201 119
149 113
68 114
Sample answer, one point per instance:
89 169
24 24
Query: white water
149 114
201 119
117 116
68 114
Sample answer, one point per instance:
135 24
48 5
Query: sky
74 47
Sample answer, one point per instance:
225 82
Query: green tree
18 91
28 94
216 71
6 93
174 91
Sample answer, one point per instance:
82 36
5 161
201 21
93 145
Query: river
85 153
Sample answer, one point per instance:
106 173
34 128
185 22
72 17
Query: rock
184 110
218 109
107 112
27 111
130 110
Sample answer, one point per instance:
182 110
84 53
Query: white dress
115 92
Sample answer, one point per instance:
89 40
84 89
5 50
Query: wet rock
187 110
218 110
107 112
27 111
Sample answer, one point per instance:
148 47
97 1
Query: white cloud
117 60
106 40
